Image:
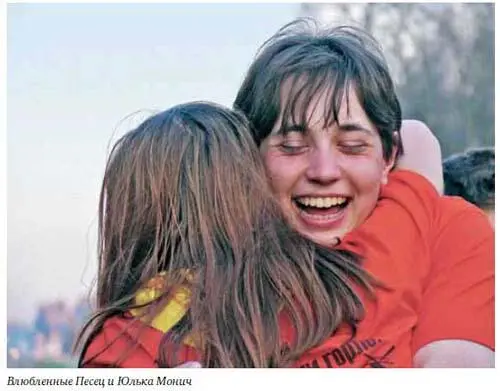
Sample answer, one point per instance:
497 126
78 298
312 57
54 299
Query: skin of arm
422 152
454 353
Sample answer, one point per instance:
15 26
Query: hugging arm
422 152
456 322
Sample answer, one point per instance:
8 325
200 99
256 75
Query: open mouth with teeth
322 207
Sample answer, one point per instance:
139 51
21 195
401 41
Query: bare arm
454 353
422 152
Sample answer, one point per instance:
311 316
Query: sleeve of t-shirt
458 295
125 343
401 220
408 195
115 347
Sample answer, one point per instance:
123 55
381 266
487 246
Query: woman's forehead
312 104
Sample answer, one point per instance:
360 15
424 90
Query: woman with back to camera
195 253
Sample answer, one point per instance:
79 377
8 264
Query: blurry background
80 75
442 59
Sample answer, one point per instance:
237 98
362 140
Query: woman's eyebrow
353 127
287 128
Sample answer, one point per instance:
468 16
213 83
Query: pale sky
74 72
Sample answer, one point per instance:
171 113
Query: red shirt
436 256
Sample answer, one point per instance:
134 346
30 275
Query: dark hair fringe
316 60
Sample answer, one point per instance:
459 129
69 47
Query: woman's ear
391 162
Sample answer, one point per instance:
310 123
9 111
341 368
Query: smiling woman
327 120
326 176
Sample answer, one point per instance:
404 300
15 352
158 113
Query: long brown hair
187 190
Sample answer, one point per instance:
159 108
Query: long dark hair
187 190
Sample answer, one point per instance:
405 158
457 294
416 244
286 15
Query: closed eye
354 148
291 148
293 141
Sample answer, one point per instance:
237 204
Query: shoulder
406 206
402 179
462 242
400 225
459 288
123 341
452 206
456 218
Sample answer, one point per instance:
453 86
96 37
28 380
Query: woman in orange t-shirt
326 117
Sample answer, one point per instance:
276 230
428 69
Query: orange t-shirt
436 254
450 297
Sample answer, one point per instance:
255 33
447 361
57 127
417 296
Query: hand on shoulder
422 152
